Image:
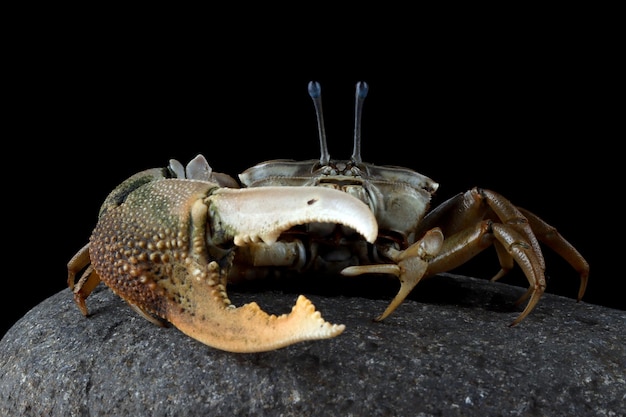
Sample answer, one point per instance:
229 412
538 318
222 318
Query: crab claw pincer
250 215
167 250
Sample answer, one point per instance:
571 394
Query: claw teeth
312 319
249 329
241 240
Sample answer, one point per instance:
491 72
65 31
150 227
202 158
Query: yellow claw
249 329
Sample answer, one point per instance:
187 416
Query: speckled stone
452 355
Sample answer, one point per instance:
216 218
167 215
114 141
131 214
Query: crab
169 240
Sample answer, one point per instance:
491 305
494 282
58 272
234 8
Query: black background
529 118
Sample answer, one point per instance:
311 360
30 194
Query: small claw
411 265
253 214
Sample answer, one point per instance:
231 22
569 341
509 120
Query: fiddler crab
168 240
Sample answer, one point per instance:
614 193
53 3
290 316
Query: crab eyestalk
315 91
361 93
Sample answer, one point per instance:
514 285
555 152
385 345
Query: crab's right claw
410 266
250 215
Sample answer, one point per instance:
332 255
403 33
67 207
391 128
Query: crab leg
473 221
461 247
552 238
534 229
510 215
527 259
88 280
515 234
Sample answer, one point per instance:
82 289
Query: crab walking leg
507 213
410 266
464 245
461 247
466 209
506 261
513 217
529 262
78 262
549 236
88 280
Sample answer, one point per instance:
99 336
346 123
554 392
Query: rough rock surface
453 355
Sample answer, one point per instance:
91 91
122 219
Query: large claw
253 214
162 248
249 215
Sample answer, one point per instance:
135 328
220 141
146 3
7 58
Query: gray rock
451 355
